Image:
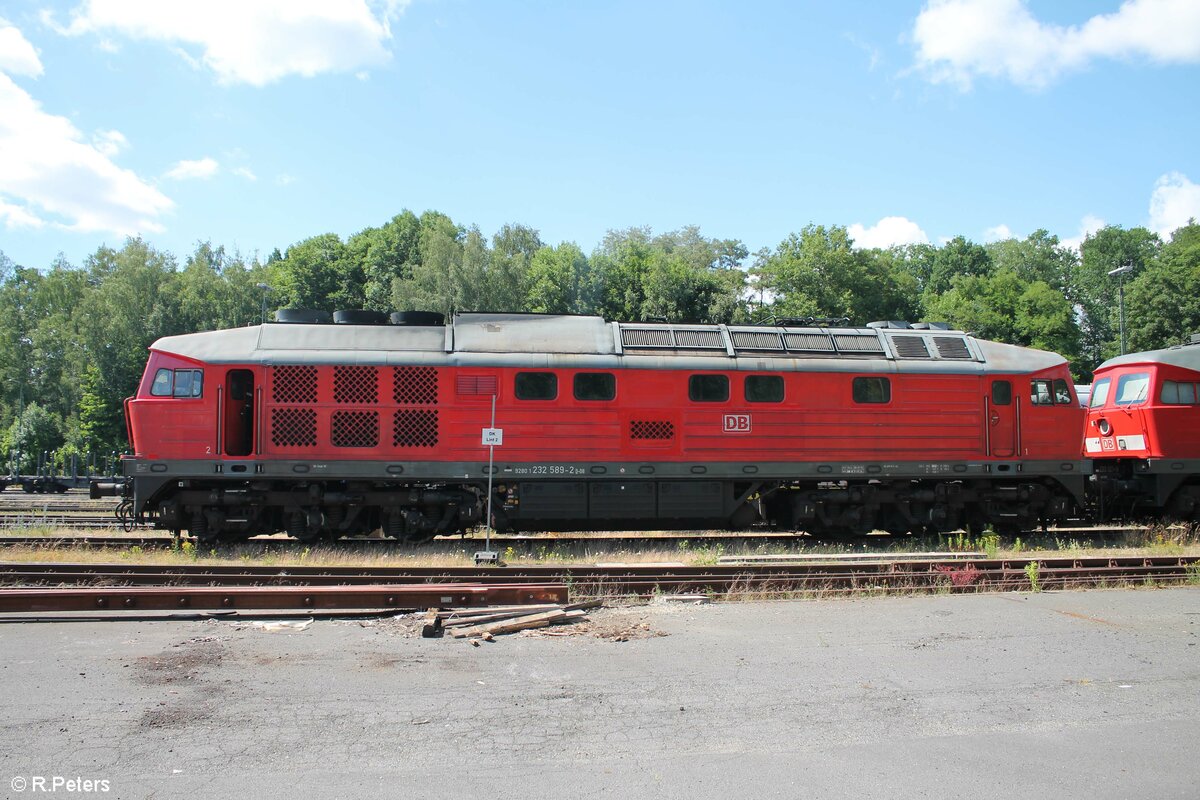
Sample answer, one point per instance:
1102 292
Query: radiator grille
354 429
414 428
951 347
415 386
651 429
476 385
355 385
294 384
293 427
910 347
756 340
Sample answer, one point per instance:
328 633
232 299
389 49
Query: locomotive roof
545 340
1184 355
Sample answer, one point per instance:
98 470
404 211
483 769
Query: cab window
536 386
1099 393
708 388
764 389
1174 393
872 390
178 383
1132 389
1050 393
595 386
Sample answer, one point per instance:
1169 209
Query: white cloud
244 172
284 179
49 174
189 170
1175 200
109 143
997 233
250 42
958 40
888 232
17 217
1087 226
17 55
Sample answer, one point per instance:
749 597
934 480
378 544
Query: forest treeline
73 338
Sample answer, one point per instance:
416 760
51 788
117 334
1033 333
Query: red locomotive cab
171 415
1118 425
1144 410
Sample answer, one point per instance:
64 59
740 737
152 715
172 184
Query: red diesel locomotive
1143 434
324 430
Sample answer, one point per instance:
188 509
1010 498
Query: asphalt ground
1076 694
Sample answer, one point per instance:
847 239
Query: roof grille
808 342
647 337
857 343
910 347
951 347
756 340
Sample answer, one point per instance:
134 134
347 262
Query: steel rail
163 598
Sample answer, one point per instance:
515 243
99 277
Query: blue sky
258 124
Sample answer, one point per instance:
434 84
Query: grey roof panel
1186 356
533 341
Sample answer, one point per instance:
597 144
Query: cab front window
178 383
1099 393
1132 389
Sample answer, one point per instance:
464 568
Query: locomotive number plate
737 423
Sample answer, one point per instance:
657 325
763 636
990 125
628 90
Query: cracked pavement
1083 694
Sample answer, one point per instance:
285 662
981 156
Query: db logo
737 423
1107 443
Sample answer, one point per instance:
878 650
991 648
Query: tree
34 432
818 272
1096 291
1163 301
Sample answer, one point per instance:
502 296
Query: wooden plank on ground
511 625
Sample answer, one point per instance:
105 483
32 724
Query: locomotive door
239 412
1001 420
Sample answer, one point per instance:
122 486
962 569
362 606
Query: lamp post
1121 272
266 289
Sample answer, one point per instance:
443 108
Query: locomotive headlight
1105 428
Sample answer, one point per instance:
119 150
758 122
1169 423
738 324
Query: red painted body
930 417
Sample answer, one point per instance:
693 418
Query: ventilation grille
415 386
355 385
354 429
910 347
857 343
293 427
647 337
415 428
756 340
651 429
294 384
951 347
476 384
809 342
672 338
699 340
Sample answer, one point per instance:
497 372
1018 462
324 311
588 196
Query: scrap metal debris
487 623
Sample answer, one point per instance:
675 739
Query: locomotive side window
708 388
163 380
1039 392
1183 394
764 389
178 383
1050 393
1099 393
188 382
872 390
536 386
1002 393
595 386
1132 389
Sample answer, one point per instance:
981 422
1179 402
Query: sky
255 124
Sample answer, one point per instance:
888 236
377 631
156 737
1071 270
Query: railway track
815 577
